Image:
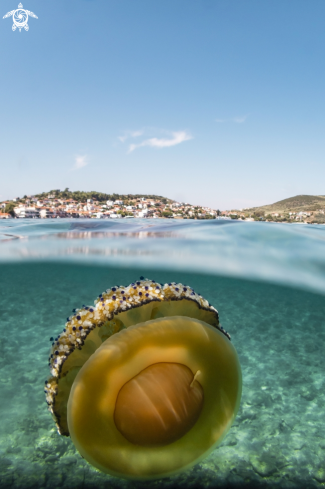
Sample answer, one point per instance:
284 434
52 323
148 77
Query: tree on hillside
10 209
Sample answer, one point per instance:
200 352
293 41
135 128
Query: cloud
80 162
177 138
237 119
130 134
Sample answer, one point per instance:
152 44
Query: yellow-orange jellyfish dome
146 382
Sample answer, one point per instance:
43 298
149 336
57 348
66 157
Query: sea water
267 282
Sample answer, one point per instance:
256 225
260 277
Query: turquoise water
267 282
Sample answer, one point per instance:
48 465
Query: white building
88 207
47 213
27 212
143 213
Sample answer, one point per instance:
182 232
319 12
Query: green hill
81 196
298 203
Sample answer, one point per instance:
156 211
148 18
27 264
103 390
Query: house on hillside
26 212
47 213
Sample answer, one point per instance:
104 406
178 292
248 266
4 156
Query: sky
213 102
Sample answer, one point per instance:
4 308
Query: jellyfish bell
147 382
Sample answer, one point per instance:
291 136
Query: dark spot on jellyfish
57 343
135 288
122 292
64 330
140 293
157 287
51 356
138 283
146 287
102 299
86 308
80 328
78 317
147 295
177 289
141 278
52 344
192 293
91 310
56 352
184 289
74 310
45 382
51 339
113 289
114 297
153 281
74 328
124 298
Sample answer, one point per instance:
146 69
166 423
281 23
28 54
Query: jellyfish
146 382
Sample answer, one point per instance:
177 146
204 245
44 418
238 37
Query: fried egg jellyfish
146 382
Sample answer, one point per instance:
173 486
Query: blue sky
212 102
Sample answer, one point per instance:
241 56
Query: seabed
278 438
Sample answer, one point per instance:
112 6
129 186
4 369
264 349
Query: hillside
299 203
81 196
93 204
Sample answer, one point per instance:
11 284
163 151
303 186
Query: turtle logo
20 18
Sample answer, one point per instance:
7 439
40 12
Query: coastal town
52 206
95 205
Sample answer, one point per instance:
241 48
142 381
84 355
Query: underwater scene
261 284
